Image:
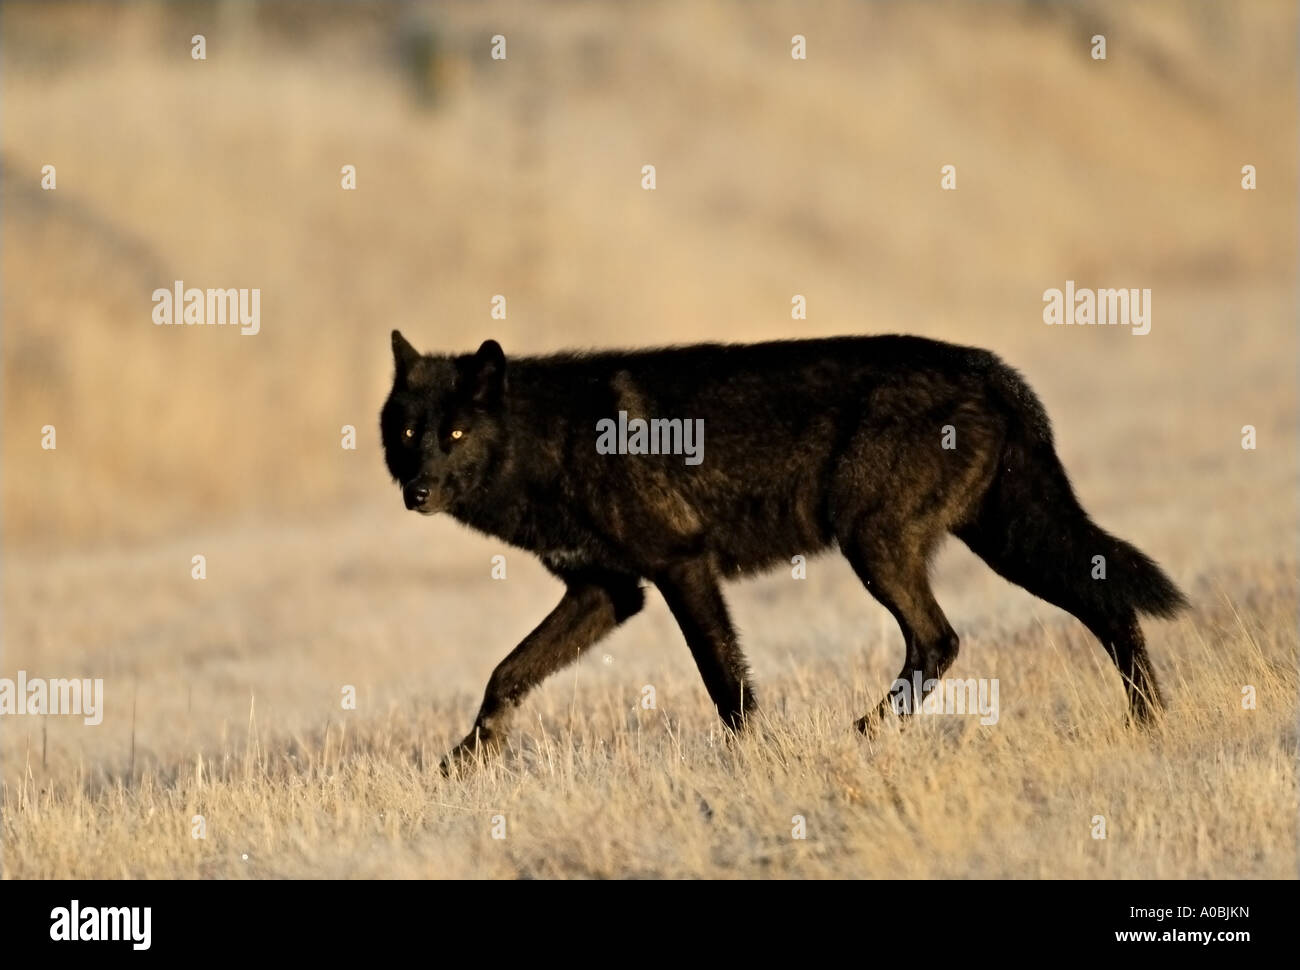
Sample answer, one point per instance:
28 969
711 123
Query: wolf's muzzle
415 495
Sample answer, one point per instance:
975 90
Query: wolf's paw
1144 717
869 725
476 749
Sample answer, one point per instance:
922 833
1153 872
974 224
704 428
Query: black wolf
878 445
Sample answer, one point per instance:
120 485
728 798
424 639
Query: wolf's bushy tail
1133 579
1031 528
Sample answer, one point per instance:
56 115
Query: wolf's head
442 425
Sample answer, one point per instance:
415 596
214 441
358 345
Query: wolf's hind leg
594 604
692 593
894 572
1103 610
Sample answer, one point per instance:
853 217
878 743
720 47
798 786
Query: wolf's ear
404 355
489 374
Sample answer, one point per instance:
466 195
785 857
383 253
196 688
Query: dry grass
595 786
775 178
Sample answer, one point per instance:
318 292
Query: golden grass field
522 177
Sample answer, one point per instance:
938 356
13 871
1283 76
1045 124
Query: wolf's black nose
416 496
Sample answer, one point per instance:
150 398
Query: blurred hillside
522 177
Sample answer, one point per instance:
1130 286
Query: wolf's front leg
594 603
691 591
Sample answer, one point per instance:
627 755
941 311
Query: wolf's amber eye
457 435
410 432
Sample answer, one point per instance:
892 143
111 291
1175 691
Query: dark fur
808 444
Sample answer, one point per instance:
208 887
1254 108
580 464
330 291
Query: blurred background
522 177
